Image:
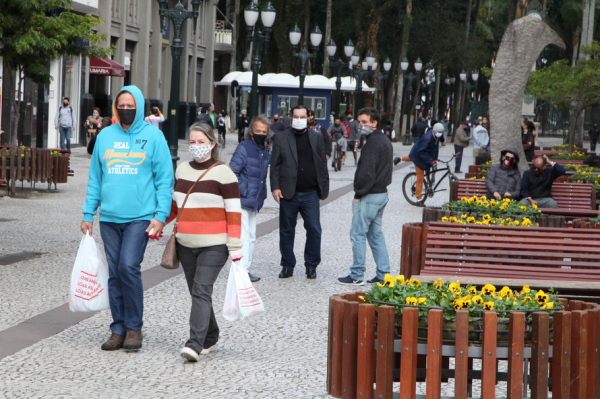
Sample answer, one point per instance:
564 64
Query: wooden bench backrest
511 252
566 195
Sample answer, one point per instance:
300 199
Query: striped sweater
212 213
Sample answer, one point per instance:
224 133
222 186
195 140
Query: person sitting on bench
503 180
536 185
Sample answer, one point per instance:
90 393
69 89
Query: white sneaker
189 354
206 351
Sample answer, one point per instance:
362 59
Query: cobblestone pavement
279 354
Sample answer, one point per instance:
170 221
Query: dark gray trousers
201 267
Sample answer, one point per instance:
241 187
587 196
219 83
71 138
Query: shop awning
106 67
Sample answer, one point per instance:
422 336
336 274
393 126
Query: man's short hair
66 98
300 107
476 122
124 92
372 112
262 119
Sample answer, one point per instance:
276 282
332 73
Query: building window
317 104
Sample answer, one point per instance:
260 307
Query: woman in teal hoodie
131 179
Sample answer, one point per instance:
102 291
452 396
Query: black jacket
375 166
540 186
419 129
284 163
593 133
205 118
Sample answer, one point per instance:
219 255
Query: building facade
141 57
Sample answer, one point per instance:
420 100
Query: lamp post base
407 140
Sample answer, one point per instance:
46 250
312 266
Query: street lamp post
380 78
177 15
259 40
339 66
315 39
450 84
409 79
469 87
366 70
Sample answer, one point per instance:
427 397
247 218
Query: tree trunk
16 103
468 22
573 117
476 18
281 38
417 92
327 39
358 17
406 22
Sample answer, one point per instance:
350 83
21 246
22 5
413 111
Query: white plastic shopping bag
89 279
241 299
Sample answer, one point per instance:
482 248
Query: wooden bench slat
525 254
499 273
516 261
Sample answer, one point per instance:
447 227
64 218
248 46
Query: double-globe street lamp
381 78
469 87
315 39
339 66
409 79
257 39
177 15
367 69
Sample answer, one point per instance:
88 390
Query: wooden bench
564 258
566 195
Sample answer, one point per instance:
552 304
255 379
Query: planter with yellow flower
451 297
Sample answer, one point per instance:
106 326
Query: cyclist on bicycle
424 154
337 131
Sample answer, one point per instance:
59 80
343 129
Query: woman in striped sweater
208 232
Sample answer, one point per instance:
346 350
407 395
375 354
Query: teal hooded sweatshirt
131 173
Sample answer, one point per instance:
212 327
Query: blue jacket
250 163
131 172
425 151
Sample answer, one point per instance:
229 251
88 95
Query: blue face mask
366 130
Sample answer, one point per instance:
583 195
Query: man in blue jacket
250 163
131 178
424 154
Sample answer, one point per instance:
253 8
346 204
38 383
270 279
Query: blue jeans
308 206
124 245
366 225
458 159
65 134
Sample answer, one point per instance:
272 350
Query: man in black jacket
536 185
593 133
373 175
299 178
418 129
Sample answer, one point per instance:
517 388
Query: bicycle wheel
339 162
409 189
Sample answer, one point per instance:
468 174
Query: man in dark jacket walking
503 180
299 178
461 141
250 163
242 125
593 133
373 175
418 130
536 185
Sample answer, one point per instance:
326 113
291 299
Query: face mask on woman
200 152
96 114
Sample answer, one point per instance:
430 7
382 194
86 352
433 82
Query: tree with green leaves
570 87
35 32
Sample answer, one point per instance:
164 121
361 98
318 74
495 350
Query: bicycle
430 187
338 154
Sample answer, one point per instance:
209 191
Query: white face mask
200 152
439 134
299 124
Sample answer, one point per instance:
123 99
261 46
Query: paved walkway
279 354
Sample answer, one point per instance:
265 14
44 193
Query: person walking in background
485 122
480 138
528 139
221 127
353 137
64 122
287 120
155 118
242 125
373 175
209 117
130 180
593 133
208 231
418 130
317 127
461 141
299 178
106 122
278 125
388 130
250 163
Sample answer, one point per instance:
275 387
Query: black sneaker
350 281
374 280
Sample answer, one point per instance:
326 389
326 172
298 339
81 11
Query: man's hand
277 195
497 195
156 228
547 159
507 194
55 127
532 201
87 226
356 199
470 138
73 128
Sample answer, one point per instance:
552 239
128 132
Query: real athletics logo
129 158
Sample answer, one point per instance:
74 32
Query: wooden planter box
434 214
361 353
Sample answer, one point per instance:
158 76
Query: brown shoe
114 343
133 339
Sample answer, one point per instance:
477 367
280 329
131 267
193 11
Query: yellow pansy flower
455 287
422 300
541 297
414 281
389 280
548 305
411 300
472 290
504 291
362 298
477 299
438 283
488 290
445 219
488 305
399 280
526 289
